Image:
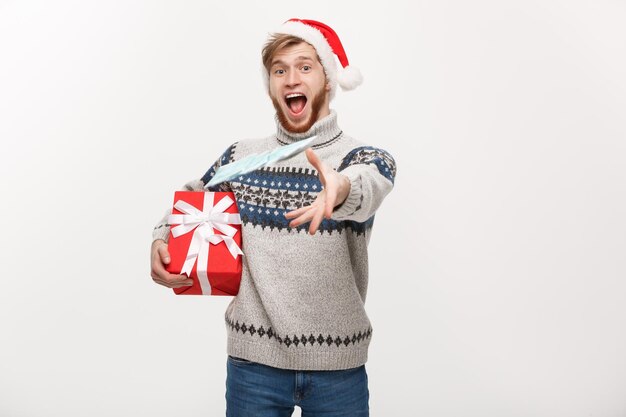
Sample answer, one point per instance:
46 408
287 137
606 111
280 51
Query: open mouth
296 102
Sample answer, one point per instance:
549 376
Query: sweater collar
326 129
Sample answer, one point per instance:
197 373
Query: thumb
164 254
313 159
317 164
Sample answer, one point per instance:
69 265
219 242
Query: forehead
294 53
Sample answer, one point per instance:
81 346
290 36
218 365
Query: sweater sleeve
162 228
371 172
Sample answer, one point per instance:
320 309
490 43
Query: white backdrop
497 262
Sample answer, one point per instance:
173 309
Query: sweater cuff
161 232
353 202
162 229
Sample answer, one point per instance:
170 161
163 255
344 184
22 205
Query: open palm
336 188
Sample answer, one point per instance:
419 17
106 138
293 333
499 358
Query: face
298 87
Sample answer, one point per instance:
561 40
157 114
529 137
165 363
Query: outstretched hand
336 188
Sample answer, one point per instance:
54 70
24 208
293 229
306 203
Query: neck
325 128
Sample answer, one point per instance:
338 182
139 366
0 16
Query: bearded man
298 333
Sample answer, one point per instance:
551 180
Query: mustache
316 106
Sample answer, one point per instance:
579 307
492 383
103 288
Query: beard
317 102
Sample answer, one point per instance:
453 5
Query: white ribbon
203 222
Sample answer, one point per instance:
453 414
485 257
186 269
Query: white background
497 267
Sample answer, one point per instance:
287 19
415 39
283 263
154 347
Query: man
306 222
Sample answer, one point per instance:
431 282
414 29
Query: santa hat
327 44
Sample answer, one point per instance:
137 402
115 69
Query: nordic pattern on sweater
301 300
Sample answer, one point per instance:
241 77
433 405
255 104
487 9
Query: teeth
294 95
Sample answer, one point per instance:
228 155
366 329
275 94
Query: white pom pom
349 78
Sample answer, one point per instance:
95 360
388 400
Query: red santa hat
327 44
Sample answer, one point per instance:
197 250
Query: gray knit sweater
301 300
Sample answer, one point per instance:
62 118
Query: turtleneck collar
326 129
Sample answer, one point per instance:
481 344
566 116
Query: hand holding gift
205 243
160 257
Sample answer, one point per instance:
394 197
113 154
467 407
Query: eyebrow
298 59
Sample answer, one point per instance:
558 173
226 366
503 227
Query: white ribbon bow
204 221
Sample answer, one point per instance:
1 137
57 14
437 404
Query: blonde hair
277 42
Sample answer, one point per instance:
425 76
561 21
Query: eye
306 68
279 72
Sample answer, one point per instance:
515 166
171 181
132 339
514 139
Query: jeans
254 389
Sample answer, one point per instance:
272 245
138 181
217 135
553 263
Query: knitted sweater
301 300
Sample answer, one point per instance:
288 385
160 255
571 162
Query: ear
327 86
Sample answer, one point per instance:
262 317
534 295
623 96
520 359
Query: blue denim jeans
257 390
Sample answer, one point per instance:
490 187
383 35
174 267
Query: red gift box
205 242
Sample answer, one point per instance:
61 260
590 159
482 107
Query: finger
304 214
295 213
164 276
159 273
317 164
178 279
170 280
317 220
161 276
304 218
158 267
168 284
164 253
182 284
313 159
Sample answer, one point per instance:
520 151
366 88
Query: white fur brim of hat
348 78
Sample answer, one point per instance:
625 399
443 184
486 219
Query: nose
293 78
